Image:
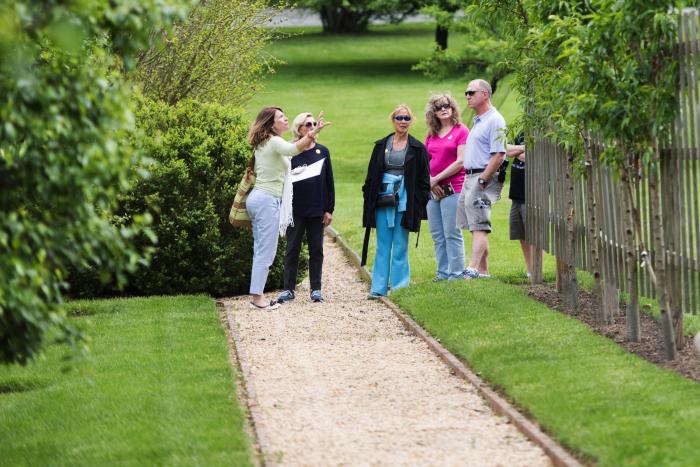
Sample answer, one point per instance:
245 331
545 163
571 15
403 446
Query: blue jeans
391 257
447 237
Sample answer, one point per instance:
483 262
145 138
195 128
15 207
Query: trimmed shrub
198 154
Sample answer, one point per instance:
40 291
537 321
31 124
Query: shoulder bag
238 216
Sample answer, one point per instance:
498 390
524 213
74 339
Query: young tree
215 55
65 109
606 67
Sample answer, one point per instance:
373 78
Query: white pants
264 211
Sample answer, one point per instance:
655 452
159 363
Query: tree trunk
562 267
570 281
593 238
659 269
441 36
340 20
610 301
632 309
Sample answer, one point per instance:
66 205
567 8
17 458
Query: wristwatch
482 182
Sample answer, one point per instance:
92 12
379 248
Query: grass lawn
158 390
603 403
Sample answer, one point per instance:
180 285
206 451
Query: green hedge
198 153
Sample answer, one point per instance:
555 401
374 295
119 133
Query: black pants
313 228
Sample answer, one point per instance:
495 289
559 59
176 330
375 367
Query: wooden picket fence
547 166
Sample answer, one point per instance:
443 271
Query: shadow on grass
17 386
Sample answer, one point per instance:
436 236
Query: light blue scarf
391 180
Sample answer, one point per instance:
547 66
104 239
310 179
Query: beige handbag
238 216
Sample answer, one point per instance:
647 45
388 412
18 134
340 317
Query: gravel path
343 383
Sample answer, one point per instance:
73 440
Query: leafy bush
199 152
63 108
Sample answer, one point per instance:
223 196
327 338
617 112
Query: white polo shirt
486 136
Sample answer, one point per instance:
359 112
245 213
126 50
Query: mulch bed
651 346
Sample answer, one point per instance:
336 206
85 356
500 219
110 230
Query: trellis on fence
547 166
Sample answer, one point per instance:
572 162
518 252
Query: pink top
443 152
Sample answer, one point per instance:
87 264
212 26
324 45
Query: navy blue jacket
316 195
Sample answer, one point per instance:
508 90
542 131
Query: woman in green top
272 161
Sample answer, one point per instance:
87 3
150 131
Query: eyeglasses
310 124
442 107
402 118
471 93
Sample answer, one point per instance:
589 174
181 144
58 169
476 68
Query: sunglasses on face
442 107
470 93
310 124
402 118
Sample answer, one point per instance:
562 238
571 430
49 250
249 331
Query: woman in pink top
445 143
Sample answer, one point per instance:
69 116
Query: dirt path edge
246 391
559 456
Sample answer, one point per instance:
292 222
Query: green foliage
482 54
64 109
215 55
197 154
486 50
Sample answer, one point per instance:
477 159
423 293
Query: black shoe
286 296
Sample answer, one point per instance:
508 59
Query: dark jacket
416 181
316 195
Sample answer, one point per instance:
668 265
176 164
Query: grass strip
157 390
597 399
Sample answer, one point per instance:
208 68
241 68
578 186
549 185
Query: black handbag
388 200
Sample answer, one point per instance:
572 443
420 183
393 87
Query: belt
473 171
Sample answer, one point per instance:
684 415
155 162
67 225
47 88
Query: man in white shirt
484 153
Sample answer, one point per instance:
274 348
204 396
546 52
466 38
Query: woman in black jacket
313 204
396 191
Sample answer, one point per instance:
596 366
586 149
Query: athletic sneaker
484 276
374 296
285 296
470 273
438 279
316 296
272 306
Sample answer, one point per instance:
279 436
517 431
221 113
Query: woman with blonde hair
271 194
396 190
445 143
312 206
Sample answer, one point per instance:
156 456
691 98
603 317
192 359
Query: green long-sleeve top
272 160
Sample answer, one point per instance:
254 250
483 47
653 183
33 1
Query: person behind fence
483 157
516 193
445 143
396 191
269 204
312 205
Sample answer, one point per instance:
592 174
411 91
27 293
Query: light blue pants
391 257
447 237
264 211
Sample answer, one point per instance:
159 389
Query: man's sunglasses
310 124
442 107
470 93
402 118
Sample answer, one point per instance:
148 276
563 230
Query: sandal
272 306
